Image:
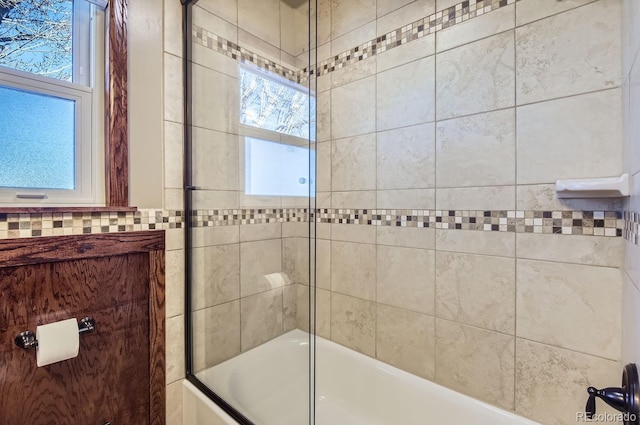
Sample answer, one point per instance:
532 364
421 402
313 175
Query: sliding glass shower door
250 197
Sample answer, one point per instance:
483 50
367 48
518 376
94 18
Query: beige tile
216 335
386 6
355 37
570 306
174 286
353 323
220 235
261 19
173 155
583 42
294 29
214 60
173 27
289 307
409 237
479 27
173 93
543 197
354 72
406 340
215 199
217 94
173 199
353 269
349 14
565 138
359 233
406 278
532 11
351 200
215 159
422 199
445 4
225 9
259 45
406 158
260 318
477 290
215 275
485 140
403 14
174 403
501 244
541 367
258 259
210 18
323 263
321 301
408 52
174 239
405 95
630 320
475 362
175 349
353 165
578 249
259 232
323 109
323 167
631 263
476 77
353 108
477 198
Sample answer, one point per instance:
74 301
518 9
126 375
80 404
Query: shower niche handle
625 399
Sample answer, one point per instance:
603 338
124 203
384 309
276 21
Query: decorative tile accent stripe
631 231
57 224
594 223
423 27
235 52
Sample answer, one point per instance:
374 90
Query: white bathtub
269 385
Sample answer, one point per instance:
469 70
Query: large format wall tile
353 269
477 198
261 18
353 323
476 77
260 318
218 94
578 249
488 243
215 159
571 306
215 275
477 290
409 237
528 11
408 52
354 163
574 52
403 14
483 141
406 340
406 278
475 362
258 259
551 382
349 14
406 158
566 138
482 26
405 94
216 334
353 108
423 199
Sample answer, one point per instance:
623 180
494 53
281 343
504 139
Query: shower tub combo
270 385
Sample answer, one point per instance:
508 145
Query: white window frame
87 91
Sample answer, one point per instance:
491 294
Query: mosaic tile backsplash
592 223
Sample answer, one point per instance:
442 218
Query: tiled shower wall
631 269
484 116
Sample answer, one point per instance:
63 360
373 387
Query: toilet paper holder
27 339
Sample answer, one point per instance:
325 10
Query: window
281 110
51 67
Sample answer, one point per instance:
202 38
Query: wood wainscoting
119 374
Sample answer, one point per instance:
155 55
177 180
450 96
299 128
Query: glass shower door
249 195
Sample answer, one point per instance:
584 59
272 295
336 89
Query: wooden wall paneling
116 105
157 403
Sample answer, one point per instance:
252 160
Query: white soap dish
607 187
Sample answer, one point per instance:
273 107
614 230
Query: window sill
39 210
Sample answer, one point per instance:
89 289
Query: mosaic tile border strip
631 230
423 27
58 224
593 223
235 52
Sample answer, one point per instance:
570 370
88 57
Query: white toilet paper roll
57 342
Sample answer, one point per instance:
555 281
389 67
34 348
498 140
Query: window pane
276 169
37 141
36 36
276 106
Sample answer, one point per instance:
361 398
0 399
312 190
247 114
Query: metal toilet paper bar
27 339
